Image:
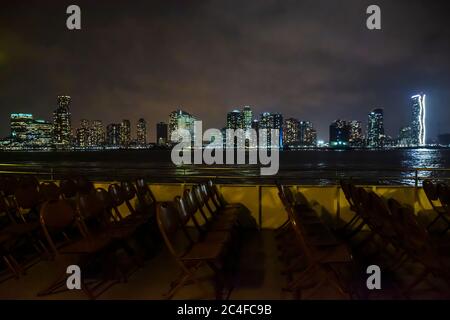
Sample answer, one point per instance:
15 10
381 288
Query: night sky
312 60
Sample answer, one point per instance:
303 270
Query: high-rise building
141 132
418 125
339 134
356 138
62 127
113 134
27 132
41 133
162 133
255 124
291 130
247 117
83 134
375 130
180 119
404 137
272 121
307 134
97 135
20 126
125 133
235 120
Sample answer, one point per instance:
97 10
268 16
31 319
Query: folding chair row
312 255
438 195
209 227
393 225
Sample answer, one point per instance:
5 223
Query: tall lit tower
125 133
247 117
141 132
180 119
418 125
62 123
375 130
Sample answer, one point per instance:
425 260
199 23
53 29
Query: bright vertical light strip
424 110
420 121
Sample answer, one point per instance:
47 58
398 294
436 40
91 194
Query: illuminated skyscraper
20 126
180 119
40 134
83 134
339 134
272 121
235 120
418 125
307 134
113 134
247 117
375 130
291 130
125 133
62 129
97 134
404 137
161 133
141 132
356 138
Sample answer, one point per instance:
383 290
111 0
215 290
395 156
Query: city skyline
309 60
26 132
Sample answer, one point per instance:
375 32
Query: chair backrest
27 196
444 195
8 185
84 186
92 211
217 195
28 181
414 237
345 186
193 205
49 191
210 188
431 190
128 190
169 225
68 188
117 194
288 195
56 216
185 213
143 188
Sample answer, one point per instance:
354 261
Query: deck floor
259 277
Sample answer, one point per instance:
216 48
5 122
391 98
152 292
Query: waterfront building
180 119
97 136
125 133
307 134
375 130
162 130
405 137
83 134
247 117
272 121
418 124
141 132
339 134
62 127
291 130
356 138
235 120
113 135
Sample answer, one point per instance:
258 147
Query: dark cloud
312 60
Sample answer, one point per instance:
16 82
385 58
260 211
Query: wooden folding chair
190 257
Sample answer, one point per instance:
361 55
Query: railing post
416 178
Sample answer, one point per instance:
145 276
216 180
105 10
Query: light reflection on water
308 167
